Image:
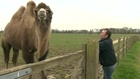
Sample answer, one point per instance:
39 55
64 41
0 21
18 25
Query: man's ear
106 35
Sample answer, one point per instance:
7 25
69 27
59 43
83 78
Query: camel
29 31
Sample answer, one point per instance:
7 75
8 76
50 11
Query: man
107 56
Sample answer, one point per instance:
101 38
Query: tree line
124 30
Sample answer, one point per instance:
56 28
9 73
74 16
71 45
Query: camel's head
43 12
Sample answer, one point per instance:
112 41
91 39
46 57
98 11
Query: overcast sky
82 14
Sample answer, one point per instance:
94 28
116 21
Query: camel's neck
43 28
43 36
43 22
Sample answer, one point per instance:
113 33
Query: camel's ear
49 11
50 14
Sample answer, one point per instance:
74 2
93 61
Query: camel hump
29 11
31 4
19 12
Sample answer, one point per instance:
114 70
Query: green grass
129 66
61 44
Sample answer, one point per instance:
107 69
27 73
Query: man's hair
108 32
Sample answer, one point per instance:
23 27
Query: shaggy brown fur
29 34
8 33
29 31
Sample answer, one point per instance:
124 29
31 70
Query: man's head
105 33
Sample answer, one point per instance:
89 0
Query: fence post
123 46
131 39
130 42
92 60
83 75
126 44
118 54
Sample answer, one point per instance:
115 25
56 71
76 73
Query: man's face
103 34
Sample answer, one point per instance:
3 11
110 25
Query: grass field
130 65
61 44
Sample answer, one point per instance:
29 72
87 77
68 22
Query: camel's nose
42 12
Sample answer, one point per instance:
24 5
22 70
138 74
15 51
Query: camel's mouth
42 17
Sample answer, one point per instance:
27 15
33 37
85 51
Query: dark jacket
106 52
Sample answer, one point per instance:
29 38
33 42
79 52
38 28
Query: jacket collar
105 39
